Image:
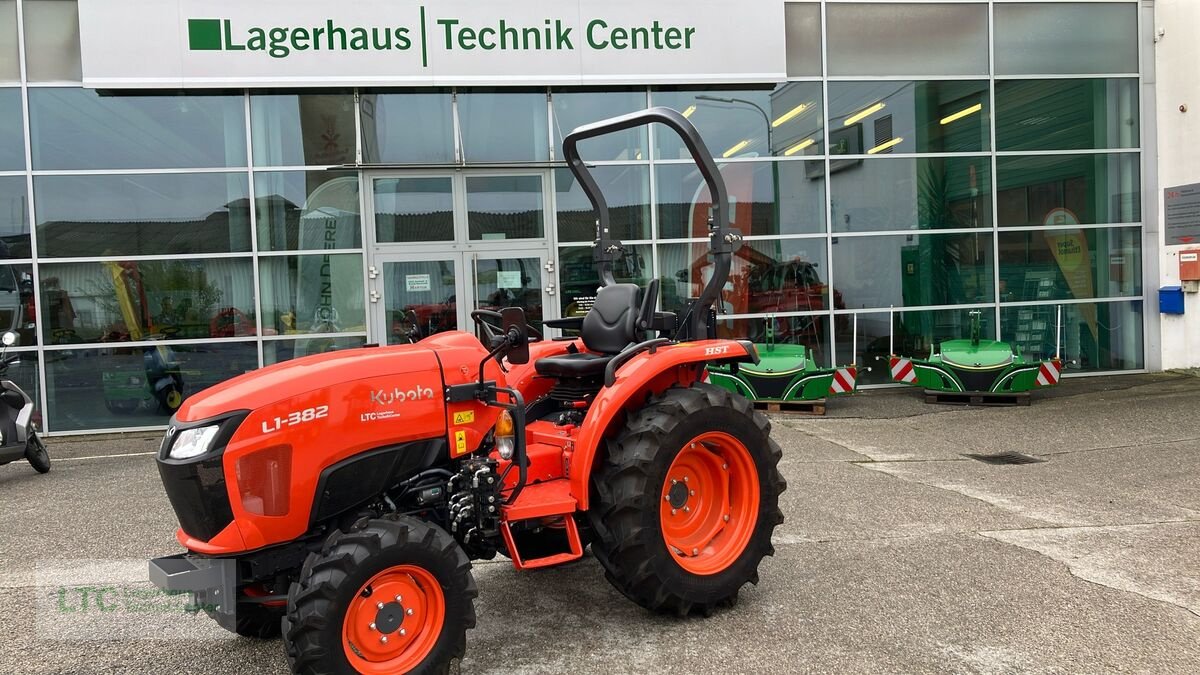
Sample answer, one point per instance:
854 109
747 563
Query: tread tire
625 508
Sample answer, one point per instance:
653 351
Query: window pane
907 39
312 294
948 116
812 331
898 193
139 386
1067 114
12 131
913 270
278 351
1069 189
576 108
10 65
52 40
773 277
1068 264
407 128
1061 37
163 214
414 209
1095 336
307 210
578 278
746 122
627 191
14 218
802 23
147 300
17 303
916 332
80 129
684 202
503 127
505 207
302 129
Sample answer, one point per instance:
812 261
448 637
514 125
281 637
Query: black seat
609 327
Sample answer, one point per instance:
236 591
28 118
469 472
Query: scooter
18 432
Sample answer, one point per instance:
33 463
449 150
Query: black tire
330 579
35 452
625 499
257 621
170 399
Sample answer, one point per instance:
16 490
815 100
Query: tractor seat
609 327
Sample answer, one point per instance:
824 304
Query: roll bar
723 238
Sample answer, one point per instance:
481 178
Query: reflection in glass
162 214
1072 263
1095 336
414 209
147 300
10 66
926 193
14 218
509 282
684 202
307 210
52 41
802 23
875 39
769 277
914 270
24 372
578 279
407 127
503 127
924 116
115 387
811 331
625 188
420 299
505 207
81 129
1067 114
17 303
12 131
278 351
302 129
784 121
574 108
916 334
1065 37
312 294
1069 189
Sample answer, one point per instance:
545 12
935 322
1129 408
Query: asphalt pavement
898 554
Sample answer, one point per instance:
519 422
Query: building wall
1177 54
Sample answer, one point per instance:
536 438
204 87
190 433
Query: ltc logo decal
382 397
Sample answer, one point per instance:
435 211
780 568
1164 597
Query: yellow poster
1070 250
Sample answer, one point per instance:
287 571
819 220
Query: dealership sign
268 43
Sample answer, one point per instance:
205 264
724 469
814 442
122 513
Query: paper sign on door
508 279
416 282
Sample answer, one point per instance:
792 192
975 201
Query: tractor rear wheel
686 500
393 596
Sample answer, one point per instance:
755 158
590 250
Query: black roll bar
723 238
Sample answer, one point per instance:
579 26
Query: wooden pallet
816 407
982 398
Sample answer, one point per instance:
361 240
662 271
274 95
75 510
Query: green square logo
204 34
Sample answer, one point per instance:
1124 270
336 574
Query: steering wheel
480 317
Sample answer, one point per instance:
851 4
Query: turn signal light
505 441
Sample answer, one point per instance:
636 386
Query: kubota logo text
398 395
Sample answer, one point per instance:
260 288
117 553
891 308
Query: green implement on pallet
784 373
975 365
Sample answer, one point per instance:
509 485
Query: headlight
193 442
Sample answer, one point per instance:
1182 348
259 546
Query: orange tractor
341 497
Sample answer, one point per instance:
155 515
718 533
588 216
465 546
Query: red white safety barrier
902 370
1049 373
843 380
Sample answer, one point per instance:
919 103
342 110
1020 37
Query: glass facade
157 241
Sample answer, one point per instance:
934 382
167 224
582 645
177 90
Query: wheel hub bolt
372 627
727 517
379 606
403 632
685 479
695 551
399 599
692 493
687 509
383 639
673 511
725 467
408 612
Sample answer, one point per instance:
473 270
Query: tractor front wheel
686 500
393 596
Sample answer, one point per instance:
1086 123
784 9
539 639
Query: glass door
513 279
416 297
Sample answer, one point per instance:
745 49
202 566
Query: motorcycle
18 432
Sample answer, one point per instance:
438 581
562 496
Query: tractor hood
264 386
985 355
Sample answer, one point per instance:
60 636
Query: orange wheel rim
394 621
708 506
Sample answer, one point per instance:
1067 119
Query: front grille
198 494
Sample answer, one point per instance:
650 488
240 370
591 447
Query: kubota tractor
342 496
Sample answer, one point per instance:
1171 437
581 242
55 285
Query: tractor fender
648 373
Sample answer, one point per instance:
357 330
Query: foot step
552 550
